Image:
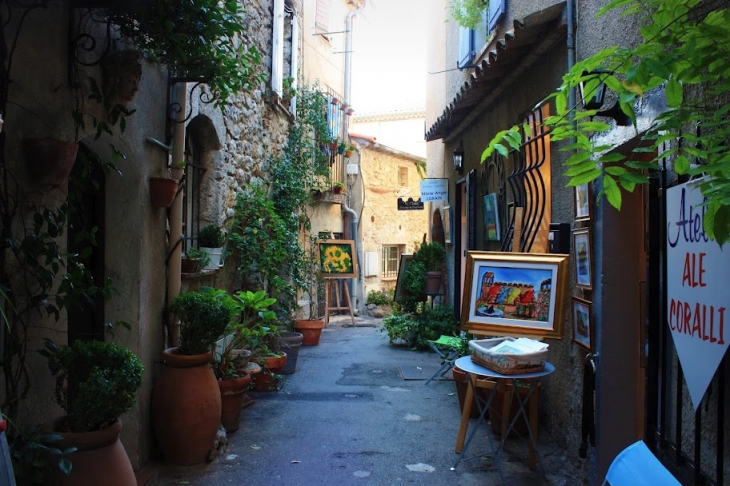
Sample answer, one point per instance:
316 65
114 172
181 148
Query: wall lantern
595 101
458 156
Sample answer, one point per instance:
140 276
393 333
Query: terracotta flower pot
433 284
162 191
233 394
100 457
311 329
186 407
49 161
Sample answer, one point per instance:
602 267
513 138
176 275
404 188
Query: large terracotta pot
186 407
100 458
233 394
311 329
49 161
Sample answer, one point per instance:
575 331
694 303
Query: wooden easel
339 304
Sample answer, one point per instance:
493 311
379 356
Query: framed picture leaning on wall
507 294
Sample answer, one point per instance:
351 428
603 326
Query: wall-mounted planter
162 191
49 161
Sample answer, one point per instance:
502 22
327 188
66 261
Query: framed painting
491 218
446 218
507 294
337 259
583 323
404 261
582 245
582 202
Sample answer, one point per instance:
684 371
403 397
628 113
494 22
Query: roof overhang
506 58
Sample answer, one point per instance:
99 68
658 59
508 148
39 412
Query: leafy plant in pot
233 380
194 260
96 382
211 239
312 326
186 401
433 257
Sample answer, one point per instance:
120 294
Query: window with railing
337 120
390 257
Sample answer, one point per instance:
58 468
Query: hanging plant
197 40
468 13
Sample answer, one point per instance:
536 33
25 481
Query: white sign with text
698 279
434 190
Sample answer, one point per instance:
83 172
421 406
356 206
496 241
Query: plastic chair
447 347
638 466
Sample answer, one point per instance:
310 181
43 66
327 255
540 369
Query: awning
507 58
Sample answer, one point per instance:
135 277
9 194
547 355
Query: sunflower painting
337 258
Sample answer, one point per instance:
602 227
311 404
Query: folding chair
447 347
638 466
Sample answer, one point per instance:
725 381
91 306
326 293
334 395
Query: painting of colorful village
513 293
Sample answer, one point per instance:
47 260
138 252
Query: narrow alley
347 417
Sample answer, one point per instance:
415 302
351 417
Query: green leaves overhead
684 53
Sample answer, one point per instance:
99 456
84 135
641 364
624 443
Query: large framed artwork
582 202
583 323
337 259
507 294
491 218
583 258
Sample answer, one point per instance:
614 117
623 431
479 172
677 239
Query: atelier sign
409 204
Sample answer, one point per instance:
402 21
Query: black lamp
458 156
595 101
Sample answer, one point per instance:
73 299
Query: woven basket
504 363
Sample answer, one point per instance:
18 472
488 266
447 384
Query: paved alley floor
348 417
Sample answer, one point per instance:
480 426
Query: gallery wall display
583 329
582 246
337 259
515 294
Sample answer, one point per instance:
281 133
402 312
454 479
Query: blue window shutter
466 47
496 10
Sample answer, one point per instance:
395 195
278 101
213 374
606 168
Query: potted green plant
338 187
186 401
433 257
311 326
212 239
349 150
96 382
194 260
248 309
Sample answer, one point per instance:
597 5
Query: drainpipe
571 55
346 95
175 247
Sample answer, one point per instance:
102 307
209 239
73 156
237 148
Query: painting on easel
337 259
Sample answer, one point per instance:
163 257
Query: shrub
433 323
211 236
203 319
432 255
378 297
96 382
398 326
